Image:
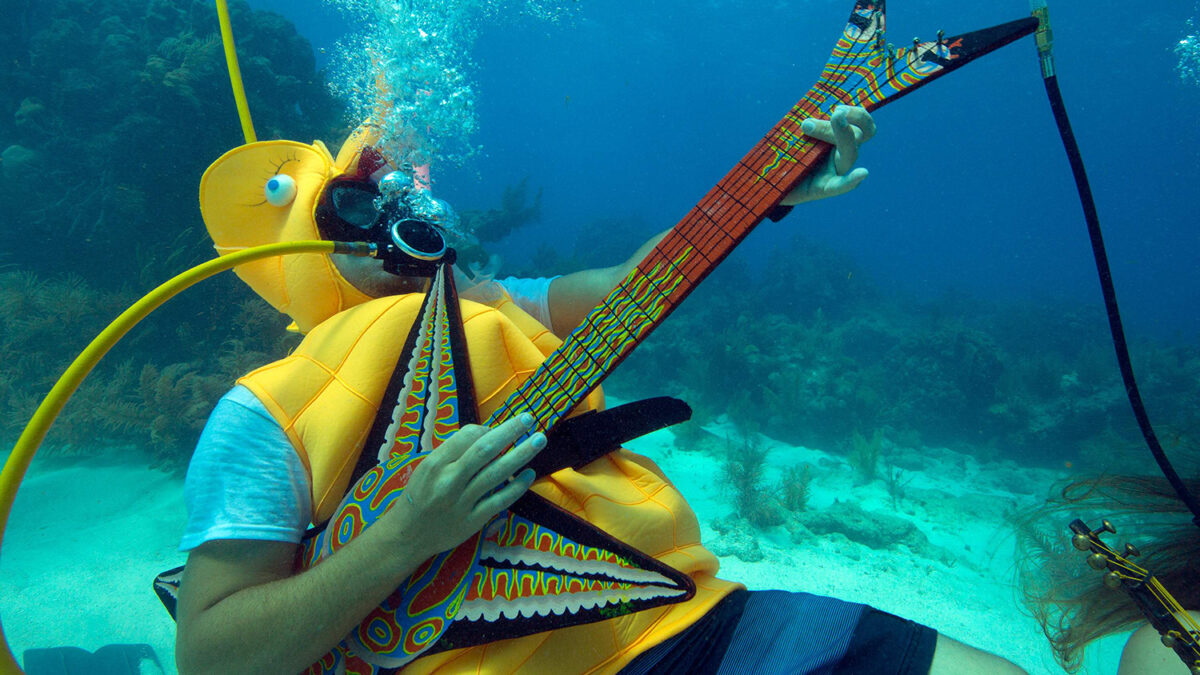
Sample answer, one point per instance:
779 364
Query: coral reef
1036 384
794 487
864 455
895 482
744 463
110 111
142 393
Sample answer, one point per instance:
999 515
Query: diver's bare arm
273 621
572 296
241 609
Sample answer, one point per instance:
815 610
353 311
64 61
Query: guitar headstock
1176 627
1120 571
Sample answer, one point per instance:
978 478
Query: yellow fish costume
326 394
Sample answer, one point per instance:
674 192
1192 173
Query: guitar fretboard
863 70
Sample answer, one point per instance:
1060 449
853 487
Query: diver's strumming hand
464 482
847 129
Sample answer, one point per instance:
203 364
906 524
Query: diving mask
406 222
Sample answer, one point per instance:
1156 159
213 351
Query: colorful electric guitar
1178 629
536 567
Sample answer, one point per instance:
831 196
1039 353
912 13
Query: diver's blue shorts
777 632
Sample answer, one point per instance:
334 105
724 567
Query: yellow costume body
326 394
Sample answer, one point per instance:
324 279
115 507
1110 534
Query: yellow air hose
235 72
31 438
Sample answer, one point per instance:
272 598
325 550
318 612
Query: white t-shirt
245 481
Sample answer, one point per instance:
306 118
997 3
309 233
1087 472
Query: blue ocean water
632 112
636 109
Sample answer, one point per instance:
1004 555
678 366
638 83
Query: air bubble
409 70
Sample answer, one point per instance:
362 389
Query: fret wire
576 351
723 223
670 268
585 352
628 302
712 231
672 248
757 190
750 179
700 239
501 414
681 239
776 144
687 284
710 202
730 202
727 205
599 335
709 223
615 318
746 169
581 381
648 281
520 393
764 194
568 394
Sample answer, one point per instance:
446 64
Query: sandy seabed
87 536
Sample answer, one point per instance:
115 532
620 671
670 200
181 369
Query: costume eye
280 190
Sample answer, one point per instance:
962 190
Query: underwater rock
736 538
872 529
17 160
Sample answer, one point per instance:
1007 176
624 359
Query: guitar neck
669 273
863 70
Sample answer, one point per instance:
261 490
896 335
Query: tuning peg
1081 542
1170 639
1105 526
941 36
916 42
1131 551
1112 580
1097 561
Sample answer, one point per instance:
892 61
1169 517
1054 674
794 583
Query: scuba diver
275 455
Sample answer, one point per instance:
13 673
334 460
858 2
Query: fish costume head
267 192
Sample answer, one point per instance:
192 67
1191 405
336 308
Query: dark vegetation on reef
110 110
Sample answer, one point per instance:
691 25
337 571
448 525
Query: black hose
1110 297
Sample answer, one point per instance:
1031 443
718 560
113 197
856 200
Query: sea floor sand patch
86 538
956 503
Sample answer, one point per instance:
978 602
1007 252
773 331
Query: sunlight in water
409 68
